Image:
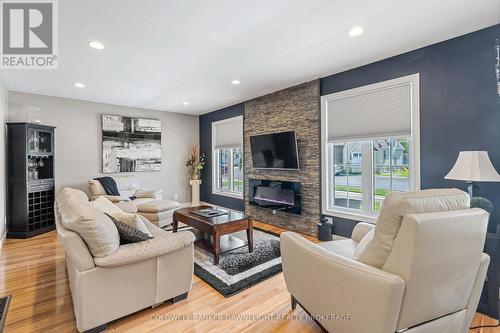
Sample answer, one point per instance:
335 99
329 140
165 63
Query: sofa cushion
396 205
96 188
126 183
159 216
343 247
127 206
156 206
140 201
127 193
152 248
152 194
68 194
132 220
96 229
106 206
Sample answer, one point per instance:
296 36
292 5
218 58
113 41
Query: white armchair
431 268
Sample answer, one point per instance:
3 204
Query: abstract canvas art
130 144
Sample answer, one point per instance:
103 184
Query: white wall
78 140
3 118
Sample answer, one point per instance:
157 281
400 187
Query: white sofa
148 203
420 269
108 280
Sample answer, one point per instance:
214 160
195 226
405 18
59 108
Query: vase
195 192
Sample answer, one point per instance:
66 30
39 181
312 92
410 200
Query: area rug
238 269
4 308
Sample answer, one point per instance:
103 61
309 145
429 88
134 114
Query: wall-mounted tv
275 151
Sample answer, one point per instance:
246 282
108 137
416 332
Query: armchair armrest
130 253
327 285
153 194
360 231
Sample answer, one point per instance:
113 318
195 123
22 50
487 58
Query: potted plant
195 164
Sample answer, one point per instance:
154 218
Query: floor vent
4 308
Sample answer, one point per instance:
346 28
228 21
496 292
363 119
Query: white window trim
354 214
215 162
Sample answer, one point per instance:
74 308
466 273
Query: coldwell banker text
29 34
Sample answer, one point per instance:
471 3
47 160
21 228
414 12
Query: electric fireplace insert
276 195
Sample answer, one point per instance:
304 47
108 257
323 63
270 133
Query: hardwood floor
34 272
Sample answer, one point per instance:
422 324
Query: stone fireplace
293 109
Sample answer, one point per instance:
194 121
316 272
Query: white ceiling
160 53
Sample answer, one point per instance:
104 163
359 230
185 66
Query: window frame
216 162
327 166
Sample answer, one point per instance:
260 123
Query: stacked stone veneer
293 109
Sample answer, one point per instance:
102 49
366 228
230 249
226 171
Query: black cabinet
30 179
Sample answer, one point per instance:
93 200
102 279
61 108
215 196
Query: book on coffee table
210 212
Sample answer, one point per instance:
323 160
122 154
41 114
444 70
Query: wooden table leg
216 241
175 224
250 237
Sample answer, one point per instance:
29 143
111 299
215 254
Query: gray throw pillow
129 234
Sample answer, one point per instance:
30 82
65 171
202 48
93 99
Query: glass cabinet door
44 142
32 140
39 141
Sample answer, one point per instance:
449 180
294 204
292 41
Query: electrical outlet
176 197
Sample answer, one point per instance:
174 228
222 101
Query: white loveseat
108 280
419 270
147 202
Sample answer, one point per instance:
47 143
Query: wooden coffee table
215 228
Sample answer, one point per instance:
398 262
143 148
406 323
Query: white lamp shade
474 166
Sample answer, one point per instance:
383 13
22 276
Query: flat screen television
275 151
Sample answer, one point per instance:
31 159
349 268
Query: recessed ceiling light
79 85
96 44
235 82
356 31
185 103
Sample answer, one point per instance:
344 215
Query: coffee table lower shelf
215 232
227 242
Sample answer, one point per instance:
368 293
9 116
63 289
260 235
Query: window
370 147
227 143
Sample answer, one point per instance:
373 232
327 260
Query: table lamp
473 166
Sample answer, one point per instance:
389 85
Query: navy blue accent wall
206 121
459 107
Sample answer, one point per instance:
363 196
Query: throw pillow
106 206
109 185
132 220
95 228
129 234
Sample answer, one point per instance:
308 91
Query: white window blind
379 112
228 133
